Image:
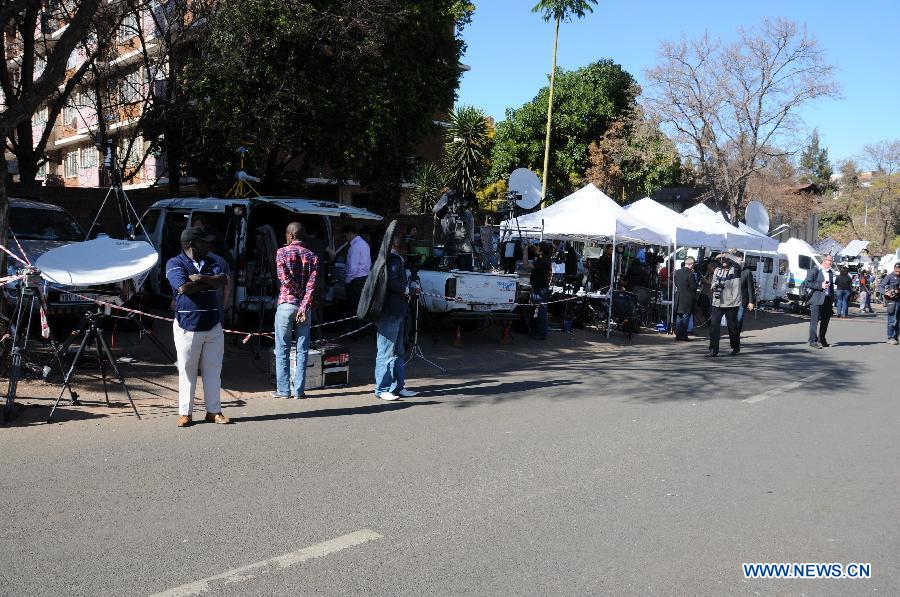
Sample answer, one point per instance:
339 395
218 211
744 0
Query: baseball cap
195 233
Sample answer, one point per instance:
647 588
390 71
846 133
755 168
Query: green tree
335 88
587 101
633 158
466 149
428 182
815 167
557 11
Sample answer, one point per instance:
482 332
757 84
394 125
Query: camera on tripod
31 277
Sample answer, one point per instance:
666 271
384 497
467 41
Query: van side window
148 222
805 262
782 267
767 265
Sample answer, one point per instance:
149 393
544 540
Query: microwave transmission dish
757 217
526 184
103 260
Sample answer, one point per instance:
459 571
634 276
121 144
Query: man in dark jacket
820 283
748 297
390 373
890 290
685 298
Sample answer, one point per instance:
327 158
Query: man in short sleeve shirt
196 276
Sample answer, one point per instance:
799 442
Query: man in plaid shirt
296 267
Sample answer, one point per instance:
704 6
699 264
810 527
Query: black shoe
824 344
712 354
735 351
815 345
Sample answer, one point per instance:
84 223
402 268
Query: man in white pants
195 276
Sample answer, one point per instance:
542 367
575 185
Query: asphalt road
571 467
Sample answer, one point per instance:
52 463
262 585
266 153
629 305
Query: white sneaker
387 396
404 393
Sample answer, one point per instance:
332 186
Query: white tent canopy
765 243
586 214
854 248
680 231
745 240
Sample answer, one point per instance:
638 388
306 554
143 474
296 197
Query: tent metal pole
670 282
612 277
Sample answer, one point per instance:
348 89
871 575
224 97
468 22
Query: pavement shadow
370 409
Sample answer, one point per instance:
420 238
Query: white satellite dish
526 183
757 217
103 260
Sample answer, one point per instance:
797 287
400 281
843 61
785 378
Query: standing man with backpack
384 300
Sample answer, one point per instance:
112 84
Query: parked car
39 227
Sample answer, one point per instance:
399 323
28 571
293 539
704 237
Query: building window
136 154
88 157
40 117
73 60
129 27
130 88
39 65
71 169
42 170
70 114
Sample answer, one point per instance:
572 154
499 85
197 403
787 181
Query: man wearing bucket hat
726 300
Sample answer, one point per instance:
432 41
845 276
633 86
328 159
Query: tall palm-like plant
427 187
466 149
557 11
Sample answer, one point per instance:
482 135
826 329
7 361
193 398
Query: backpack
371 300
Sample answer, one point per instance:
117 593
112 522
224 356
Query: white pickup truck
474 292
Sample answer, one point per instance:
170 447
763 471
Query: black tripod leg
101 365
84 342
82 326
115 368
156 341
15 363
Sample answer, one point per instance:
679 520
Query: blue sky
509 52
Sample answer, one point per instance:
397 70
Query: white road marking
277 563
781 389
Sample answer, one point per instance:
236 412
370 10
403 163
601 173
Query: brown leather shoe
184 421
217 418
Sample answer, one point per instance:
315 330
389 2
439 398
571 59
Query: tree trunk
550 114
4 220
25 154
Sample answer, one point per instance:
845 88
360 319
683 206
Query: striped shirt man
296 267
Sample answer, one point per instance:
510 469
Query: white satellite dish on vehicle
103 260
525 183
757 217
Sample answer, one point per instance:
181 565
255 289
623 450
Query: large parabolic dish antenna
103 260
525 183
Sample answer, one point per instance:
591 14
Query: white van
770 272
251 228
801 257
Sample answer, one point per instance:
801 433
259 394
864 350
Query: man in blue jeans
296 267
890 290
390 370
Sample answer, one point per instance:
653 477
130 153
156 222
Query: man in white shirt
359 263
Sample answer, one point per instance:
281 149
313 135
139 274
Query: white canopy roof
766 243
745 240
669 223
586 214
854 248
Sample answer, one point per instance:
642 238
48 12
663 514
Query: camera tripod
29 294
416 349
90 330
